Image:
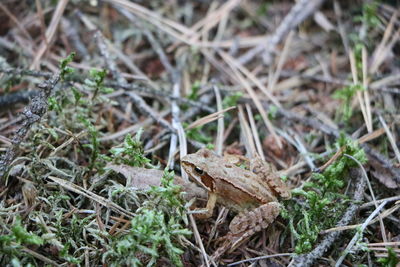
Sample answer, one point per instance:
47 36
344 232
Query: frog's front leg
207 212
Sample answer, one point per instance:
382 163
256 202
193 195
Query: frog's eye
198 171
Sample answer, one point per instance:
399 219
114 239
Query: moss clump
319 203
156 229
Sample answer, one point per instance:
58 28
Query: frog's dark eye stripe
198 171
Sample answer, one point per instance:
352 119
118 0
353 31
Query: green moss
11 245
156 229
391 260
319 203
131 152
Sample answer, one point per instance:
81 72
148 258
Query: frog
252 193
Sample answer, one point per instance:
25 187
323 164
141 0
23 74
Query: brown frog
252 193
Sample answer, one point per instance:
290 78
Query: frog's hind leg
269 174
245 224
256 219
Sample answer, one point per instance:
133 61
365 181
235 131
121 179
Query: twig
39 256
375 158
261 258
33 73
198 239
299 12
90 195
16 97
371 203
358 233
102 46
71 32
307 259
371 192
33 113
176 123
342 30
138 101
112 84
50 33
175 110
383 215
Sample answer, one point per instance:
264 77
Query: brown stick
33 113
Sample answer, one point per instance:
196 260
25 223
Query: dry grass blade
204 25
199 241
365 138
382 49
391 138
243 42
40 256
254 132
173 28
366 92
360 97
221 127
50 32
383 244
86 193
209 118
247 134
371 136
132 129
281 60
252 78
237 76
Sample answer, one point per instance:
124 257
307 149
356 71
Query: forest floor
102 101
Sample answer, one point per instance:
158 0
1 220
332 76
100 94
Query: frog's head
199 165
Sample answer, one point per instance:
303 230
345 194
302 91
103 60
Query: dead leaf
142 178
385 176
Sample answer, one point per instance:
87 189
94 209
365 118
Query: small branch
112 84
358 233
376 159
32 114
50 32
11 99
137 100
299 12
24 72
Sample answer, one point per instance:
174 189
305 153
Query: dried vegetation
96 95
